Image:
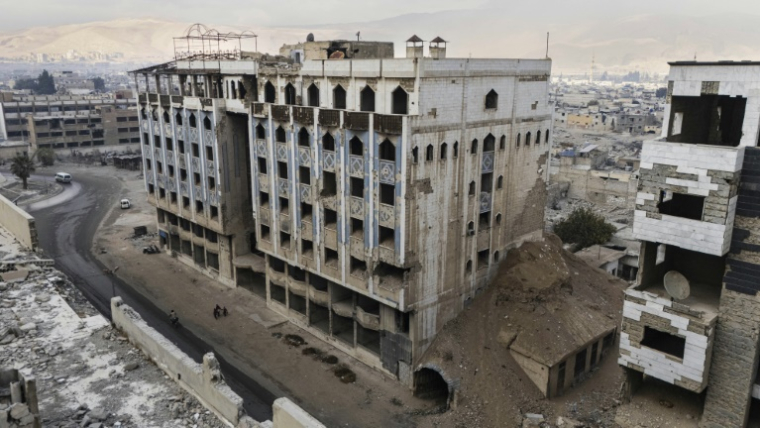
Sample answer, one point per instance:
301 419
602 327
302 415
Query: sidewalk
252 336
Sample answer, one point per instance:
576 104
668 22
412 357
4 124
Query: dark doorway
430 385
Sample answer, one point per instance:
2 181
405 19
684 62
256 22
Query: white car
125 204
63 177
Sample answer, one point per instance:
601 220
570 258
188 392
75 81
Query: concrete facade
697 217
377 195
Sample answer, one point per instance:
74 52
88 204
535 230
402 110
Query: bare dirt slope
546 300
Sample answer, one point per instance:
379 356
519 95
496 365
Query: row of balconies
355 121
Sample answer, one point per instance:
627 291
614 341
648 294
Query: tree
22 166
584 229
100 84
46 156
45 84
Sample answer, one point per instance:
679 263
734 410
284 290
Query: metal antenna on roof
357 35
547 44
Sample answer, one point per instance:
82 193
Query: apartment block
367 198
71 123
693 317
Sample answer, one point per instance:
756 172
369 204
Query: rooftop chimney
414 47
438 48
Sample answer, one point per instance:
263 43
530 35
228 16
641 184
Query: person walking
225 311
217 311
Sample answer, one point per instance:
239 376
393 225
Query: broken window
357 187
313 92
181 145
282 170
681 205
357 228
488 143
233 90
503 142
498 219
209 153
166 117
198 206
429 153
193 123
290 94
387 194
443 151
262 165
328 142
279 135
483 259
284 240
474 146
265 232
241 90
196 150
664 342
304 174
331 257
415 155
329 185
387 236
339 97
499 182
486 182
546 137
471 228
207 123
356 147
306 211
260 132
517 141
387 150
580 363
527 139
538 137
264 199
492 99
468 267
400 101
456 149
303 137
707 119
270 93
307 248
472 188
484 220
331 218
367 101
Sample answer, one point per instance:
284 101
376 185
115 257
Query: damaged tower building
366 198
693 318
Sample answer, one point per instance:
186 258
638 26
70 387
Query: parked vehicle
125 204
63 177
151 249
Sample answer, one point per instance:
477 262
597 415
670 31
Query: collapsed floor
539 287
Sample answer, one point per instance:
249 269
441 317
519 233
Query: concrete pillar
633 381
30 392
16 395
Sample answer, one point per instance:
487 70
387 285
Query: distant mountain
642 42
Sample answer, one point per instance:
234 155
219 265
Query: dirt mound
544 300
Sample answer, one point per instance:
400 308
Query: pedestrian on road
216 312
225 311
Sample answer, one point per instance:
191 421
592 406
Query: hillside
642 42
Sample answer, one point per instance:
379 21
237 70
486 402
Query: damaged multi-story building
367 198
693 318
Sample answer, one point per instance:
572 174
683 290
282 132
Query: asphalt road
66 226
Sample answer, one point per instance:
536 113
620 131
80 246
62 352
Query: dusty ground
253 337
86 372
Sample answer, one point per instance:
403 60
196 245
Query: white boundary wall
18 222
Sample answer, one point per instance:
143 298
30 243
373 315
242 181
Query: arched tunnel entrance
429 384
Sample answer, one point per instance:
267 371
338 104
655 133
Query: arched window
503 142
499 182
178 119
429 153
443 151
313 92
474 147
290 94
233 91
538 138
303 137
144 114
498 218
154 114
261 133
400 101
456 149
527 139
546 137
471 228
518 140
488 143
328 142
492 99
472 188
193 123
339 97
167 119
270 93
279 135
415 154
387 150
468 267
356 147
367 99
207 123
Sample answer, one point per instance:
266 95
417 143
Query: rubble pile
87 373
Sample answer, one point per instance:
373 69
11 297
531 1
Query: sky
283 13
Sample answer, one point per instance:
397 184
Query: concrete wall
288 415
18 222
203 381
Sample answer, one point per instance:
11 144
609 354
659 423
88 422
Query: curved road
66 225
